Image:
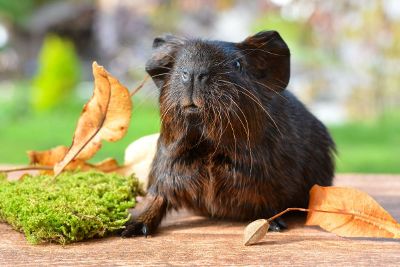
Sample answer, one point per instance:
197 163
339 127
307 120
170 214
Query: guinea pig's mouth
191 109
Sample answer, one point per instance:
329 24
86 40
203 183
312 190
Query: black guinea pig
234 143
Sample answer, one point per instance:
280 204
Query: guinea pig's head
219 82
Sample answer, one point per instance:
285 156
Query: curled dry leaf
105 117
47 157
54 155
255 231
107 165
50 157
356 214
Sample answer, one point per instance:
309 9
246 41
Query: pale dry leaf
364 218
138 157
106 116
255 231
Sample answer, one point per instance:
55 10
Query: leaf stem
308 210
135 90
28 168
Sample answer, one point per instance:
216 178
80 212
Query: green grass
46 130
369 147
74 207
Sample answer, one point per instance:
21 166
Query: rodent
234 144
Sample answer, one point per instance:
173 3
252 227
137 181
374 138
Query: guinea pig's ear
163 58
268 59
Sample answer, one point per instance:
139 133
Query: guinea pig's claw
134 228
277 225
283 225
145 230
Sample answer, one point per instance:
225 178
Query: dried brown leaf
105 117
54 155
107 165
255 231
47 157
362 215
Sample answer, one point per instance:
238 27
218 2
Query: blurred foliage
18 107
298 35
59 72
295 34
17 11
165 17
371 146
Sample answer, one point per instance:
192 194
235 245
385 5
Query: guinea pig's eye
237 65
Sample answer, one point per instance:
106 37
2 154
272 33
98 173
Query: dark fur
233 143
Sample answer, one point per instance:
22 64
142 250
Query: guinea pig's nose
201 77
185 75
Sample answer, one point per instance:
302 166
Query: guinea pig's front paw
135 228
277 225
145 217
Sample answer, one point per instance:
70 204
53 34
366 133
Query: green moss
74 207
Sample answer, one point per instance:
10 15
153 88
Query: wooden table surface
185 239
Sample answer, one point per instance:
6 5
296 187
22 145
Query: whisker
247 132
243 55
220 73
262 50
161 74
282 82
269 88
164 67
256 100
221 131
162 117
235 143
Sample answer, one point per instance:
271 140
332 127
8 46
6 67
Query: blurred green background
345 66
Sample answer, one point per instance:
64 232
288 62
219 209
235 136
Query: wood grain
185 239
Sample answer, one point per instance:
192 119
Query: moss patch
74 207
